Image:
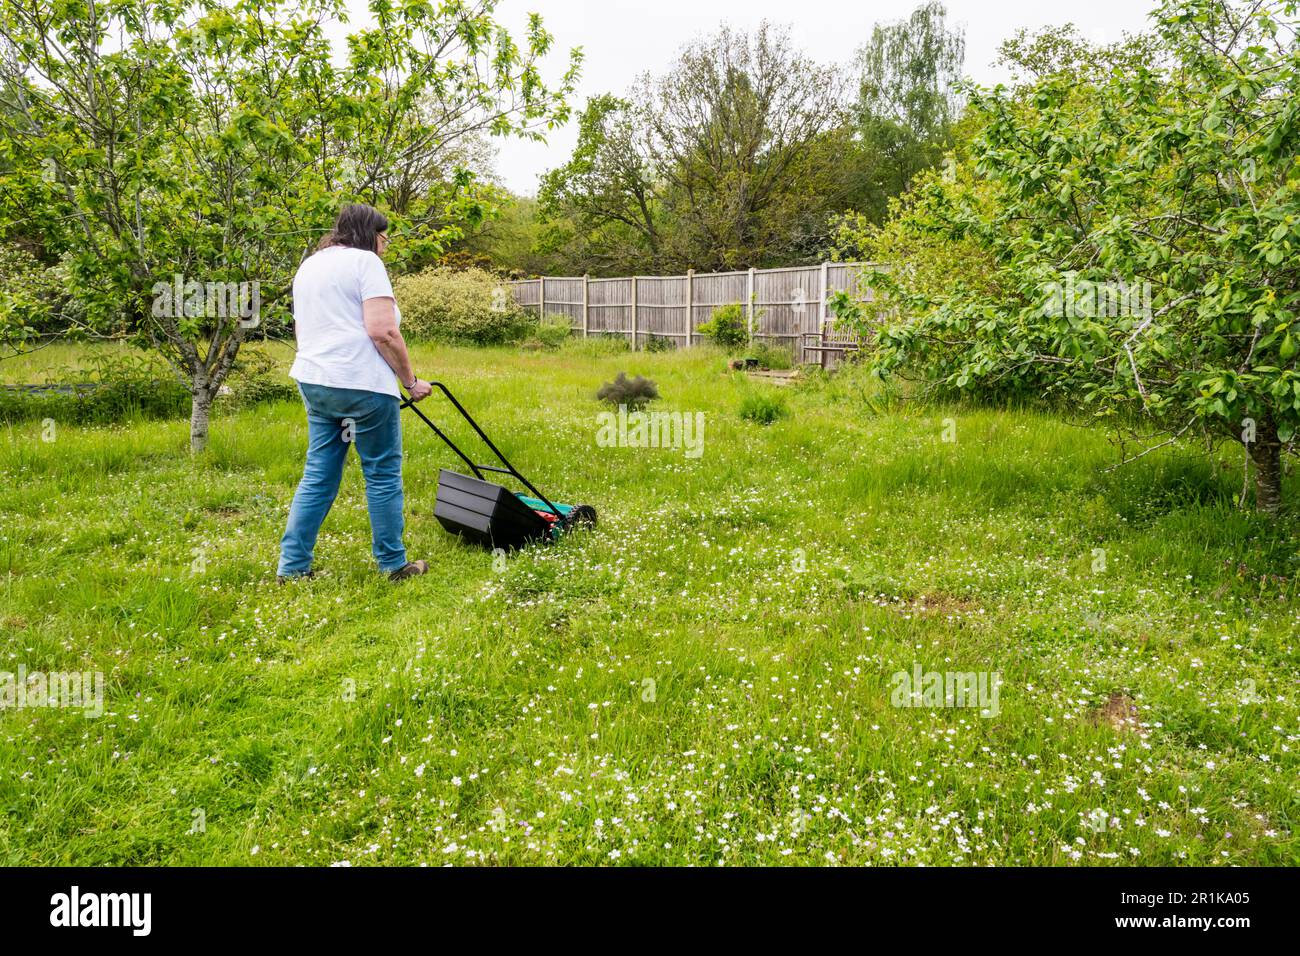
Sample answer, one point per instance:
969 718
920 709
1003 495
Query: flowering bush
459 305
32 297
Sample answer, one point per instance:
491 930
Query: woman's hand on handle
419 390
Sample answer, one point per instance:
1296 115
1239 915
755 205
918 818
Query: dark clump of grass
1146 489
632 392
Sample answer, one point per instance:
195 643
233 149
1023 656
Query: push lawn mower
489 514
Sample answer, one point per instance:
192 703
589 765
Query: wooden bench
831 340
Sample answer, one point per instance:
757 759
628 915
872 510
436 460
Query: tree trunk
1266 455
200 412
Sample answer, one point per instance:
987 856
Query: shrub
459 305
33 299
659 343
632 392
552 331
129 385
256 378
727 326
763 408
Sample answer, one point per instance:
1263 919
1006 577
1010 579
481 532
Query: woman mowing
351 357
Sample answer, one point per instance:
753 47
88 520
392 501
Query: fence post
541 304
586 301
634 313
821 309
821 306
749 302
690 307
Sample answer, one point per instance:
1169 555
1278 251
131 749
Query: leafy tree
1140 212
740 136
908 101
745 152
213 140
1063 51
607 192
515 240
731 158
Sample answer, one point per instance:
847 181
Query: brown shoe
413 570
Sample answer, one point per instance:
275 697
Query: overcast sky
624 38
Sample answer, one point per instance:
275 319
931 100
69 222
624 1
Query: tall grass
705 678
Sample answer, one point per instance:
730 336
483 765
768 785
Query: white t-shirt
333 347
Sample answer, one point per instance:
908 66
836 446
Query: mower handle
478 470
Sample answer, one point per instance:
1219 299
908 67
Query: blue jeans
337 418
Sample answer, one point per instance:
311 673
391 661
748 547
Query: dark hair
357 226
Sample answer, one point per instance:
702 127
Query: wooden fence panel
661 308
610 306
843 276
785 305
712 289
528 293
564 298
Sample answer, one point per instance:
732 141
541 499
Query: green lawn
705 679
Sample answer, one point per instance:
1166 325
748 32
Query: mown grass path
705 679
